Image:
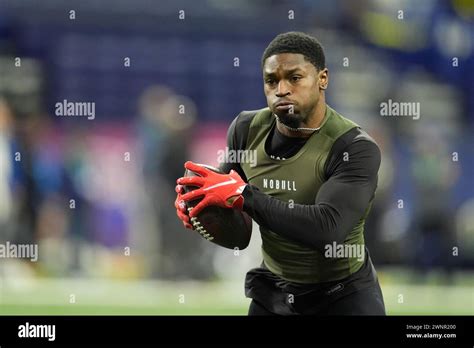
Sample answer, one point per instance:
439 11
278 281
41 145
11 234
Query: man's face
292 87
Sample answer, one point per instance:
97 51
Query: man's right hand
180 206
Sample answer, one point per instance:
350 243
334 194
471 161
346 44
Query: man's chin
289 119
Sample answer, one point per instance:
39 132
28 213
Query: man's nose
283 89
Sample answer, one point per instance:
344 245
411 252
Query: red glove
223 190
180 206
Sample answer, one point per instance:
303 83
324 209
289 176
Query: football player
310 190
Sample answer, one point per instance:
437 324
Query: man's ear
323 78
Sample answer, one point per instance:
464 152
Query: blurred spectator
434 176
165 131
6 169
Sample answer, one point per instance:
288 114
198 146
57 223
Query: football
229 228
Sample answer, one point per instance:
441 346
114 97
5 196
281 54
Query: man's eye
270 81
295 78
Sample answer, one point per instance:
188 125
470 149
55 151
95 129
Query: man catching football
310 190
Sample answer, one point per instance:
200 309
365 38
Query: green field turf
112 297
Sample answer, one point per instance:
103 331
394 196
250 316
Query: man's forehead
285 62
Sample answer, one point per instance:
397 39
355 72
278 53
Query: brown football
230 228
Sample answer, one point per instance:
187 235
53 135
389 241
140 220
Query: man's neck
314 122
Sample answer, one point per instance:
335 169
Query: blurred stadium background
167 78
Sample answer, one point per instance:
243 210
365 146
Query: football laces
198 227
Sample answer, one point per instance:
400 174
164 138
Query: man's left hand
223 190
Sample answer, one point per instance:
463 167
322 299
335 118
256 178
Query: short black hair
297 42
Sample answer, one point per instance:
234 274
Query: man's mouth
284 106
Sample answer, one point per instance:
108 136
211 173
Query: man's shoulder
351 133
362 135
355 138
239 129
351 149
245 117
355 142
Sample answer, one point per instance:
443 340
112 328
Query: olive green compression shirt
310 196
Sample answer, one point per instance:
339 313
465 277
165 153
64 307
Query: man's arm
340 203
